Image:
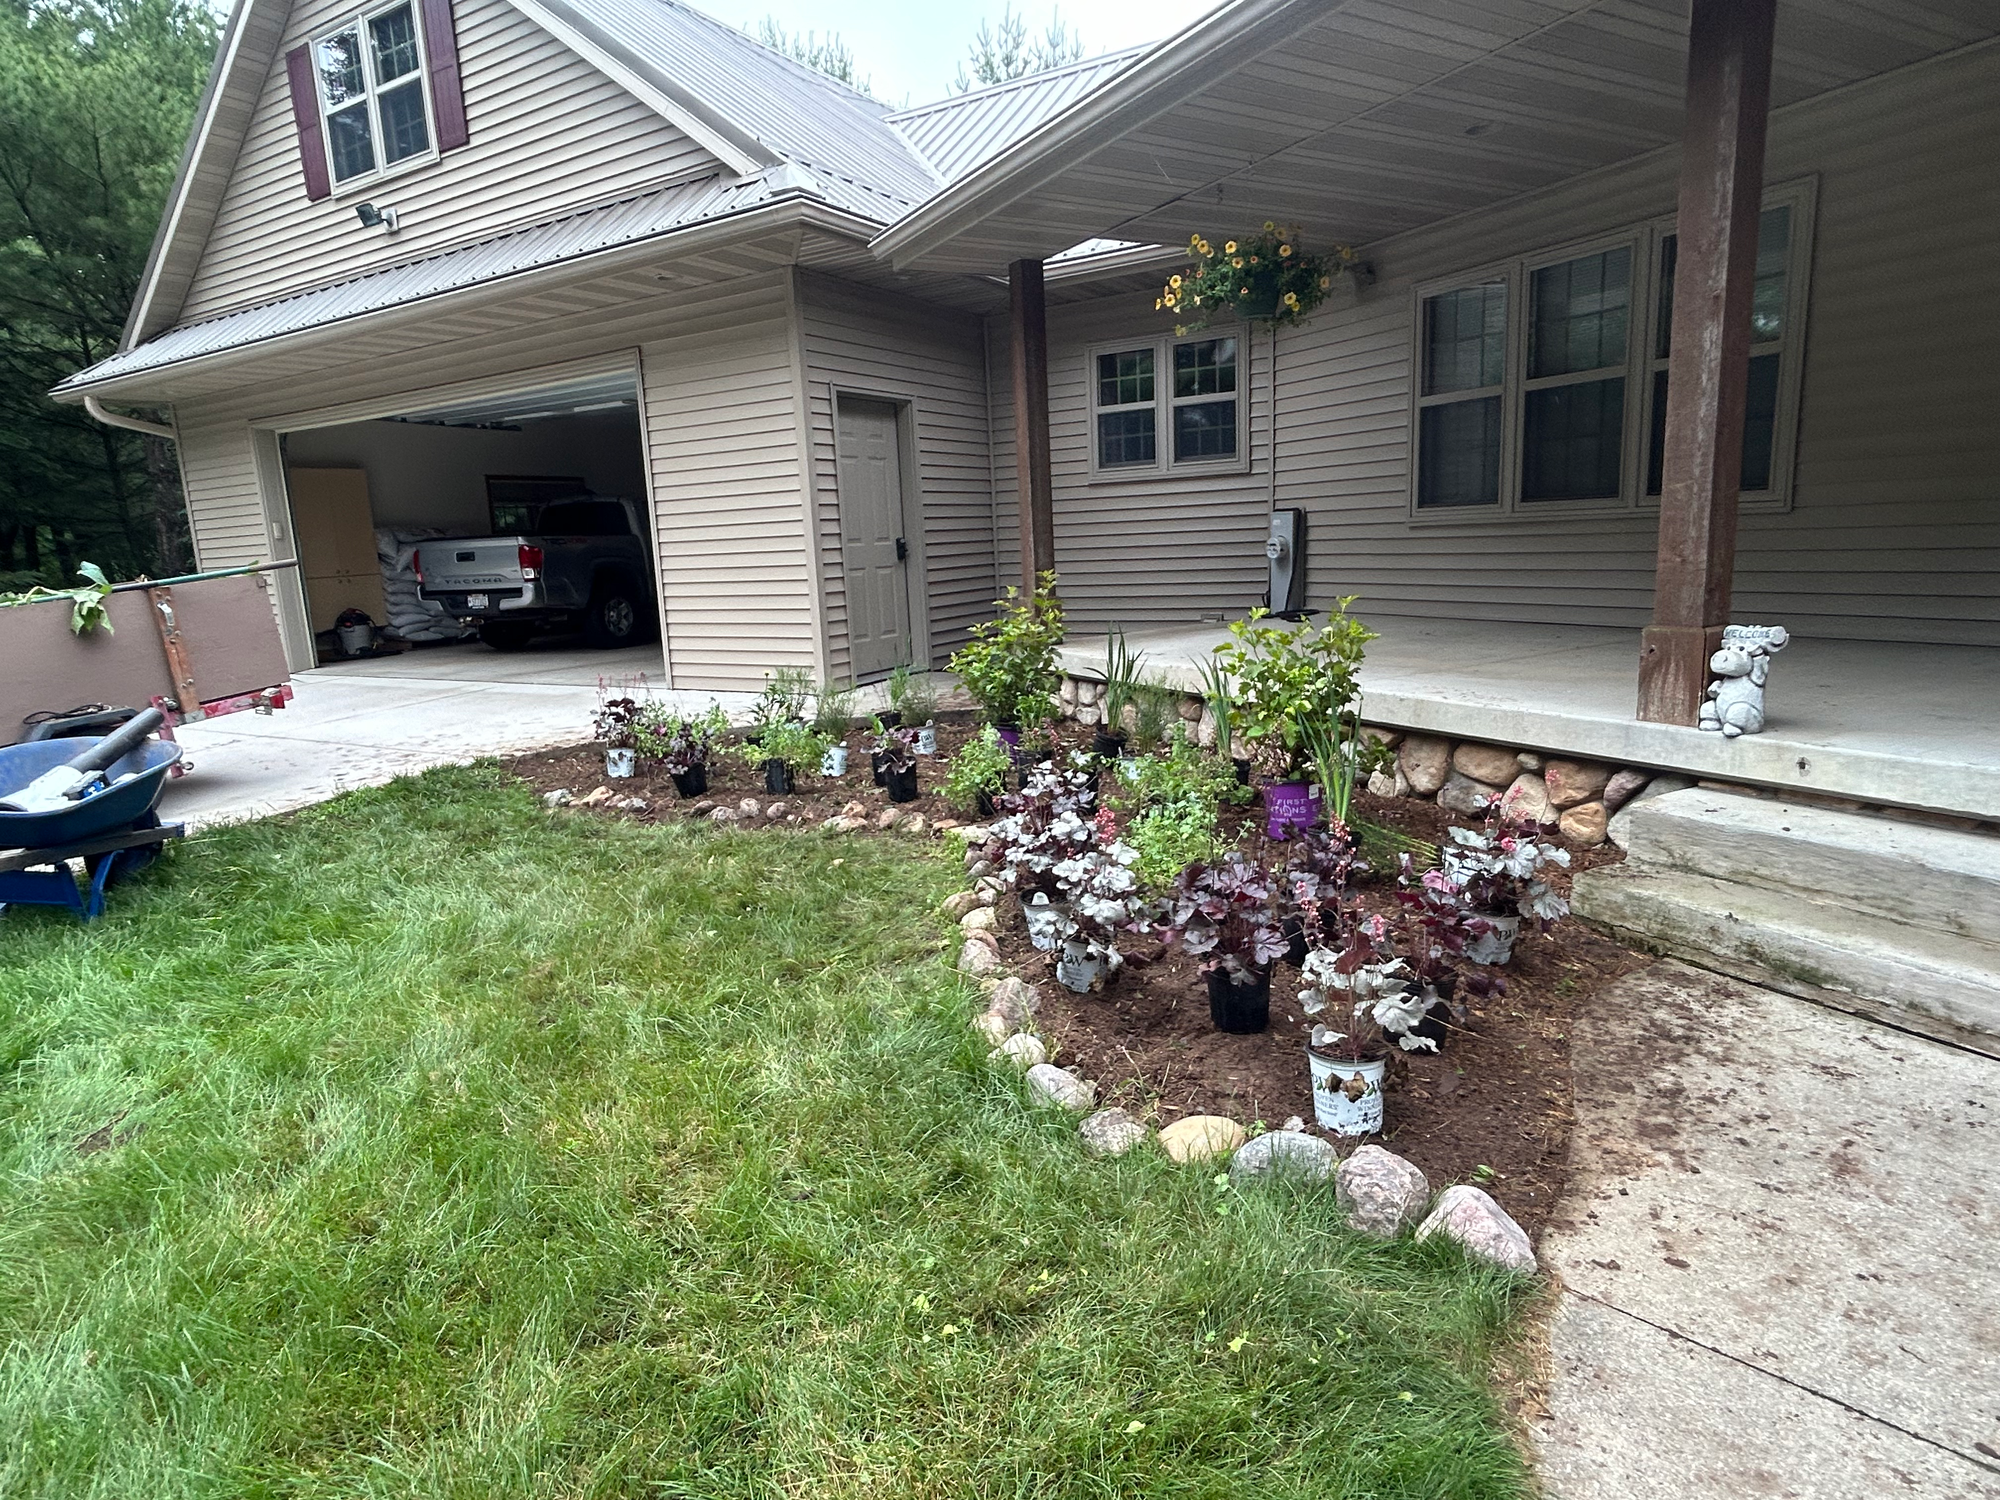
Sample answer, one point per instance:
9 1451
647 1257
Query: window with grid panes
1127 409
1459 407
1573 401
1204 399
370 75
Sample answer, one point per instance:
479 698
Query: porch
1880 723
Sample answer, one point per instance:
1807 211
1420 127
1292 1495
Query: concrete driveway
366 722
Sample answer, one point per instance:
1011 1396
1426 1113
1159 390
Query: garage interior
365 495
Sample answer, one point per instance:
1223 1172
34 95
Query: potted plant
1438 934
1286 680
1039 828
978 773
1499 874
1009 665
1268 277
683 744
1101 894
1221 696
1225 913
833 712
1367 982
616 727
895 752
1316 879
913 701
1121 680
787 691
780 751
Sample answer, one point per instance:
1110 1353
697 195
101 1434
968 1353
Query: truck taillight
417 562
531 563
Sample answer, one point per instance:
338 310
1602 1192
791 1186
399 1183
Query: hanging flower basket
1264 278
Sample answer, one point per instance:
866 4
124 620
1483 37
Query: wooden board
335 528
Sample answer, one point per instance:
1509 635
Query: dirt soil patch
1494 1106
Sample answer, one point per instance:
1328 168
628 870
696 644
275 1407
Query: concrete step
1901 873
1936 983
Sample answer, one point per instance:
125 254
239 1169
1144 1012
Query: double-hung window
1170 405
1542 383
370 76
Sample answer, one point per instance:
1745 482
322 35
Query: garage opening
483 528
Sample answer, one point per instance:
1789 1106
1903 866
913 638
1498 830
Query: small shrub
981 765
1009 665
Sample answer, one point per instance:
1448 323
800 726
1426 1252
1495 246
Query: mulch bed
1493 1107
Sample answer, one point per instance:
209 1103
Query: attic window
370 77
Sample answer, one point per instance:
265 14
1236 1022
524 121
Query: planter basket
692 782
1347 1095
1239 1008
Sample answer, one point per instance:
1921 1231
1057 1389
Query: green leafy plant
678 741
1009 665
833 712
913 695
787 691
1268 277
1121 681
1172 836
797 745
1221 695
1289 677
1342 756
1156 711
87 612
980 766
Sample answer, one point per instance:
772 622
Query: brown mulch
1494 1106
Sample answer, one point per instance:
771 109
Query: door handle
902 549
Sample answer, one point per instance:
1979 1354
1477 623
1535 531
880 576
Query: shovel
52 791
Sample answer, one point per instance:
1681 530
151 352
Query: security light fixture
372 217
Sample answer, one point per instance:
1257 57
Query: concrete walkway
1780 1256
364 723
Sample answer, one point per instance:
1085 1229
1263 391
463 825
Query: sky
910 50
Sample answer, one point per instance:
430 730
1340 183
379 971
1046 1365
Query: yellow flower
1237 262
1270 227
1284 249
1230 248
1291 299
1173 281
1325 282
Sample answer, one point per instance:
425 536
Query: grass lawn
429 1143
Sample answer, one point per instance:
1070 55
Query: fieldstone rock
845 825
1088 692
1066 695
979 869
1572 782
958 903
1381 1193
1382 783
888 818
1284 1153
989 888
914 825
1206 729
985 939
1294 1122
1021 1051
1110 1132
558 798
1015 999
1388 739
854 808
1049 1084
777 810
975 833
977 959
1526 800
1191 710
1488 763
995 1027
600 795
749 807
1199 1137
1623 787
1586 826
1426 760
979 918
1466 797
702 808
1470 1216
1527 760
723 815
1089 714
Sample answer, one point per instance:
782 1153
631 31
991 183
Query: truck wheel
506 636
613 617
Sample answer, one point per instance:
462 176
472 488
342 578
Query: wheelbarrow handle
120 743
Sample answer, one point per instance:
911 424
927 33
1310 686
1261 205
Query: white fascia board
689 239
1209 50
732 145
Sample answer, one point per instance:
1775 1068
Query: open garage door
468 479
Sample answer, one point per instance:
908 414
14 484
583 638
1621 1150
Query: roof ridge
1026 80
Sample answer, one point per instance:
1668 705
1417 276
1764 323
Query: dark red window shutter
447 95
305 110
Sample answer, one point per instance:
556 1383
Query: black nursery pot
1107 746
777 777
1239 1008
876 761
1242 770
1295 938
890 717
902 784
692 782
985 805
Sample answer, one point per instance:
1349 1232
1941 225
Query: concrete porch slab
1880 722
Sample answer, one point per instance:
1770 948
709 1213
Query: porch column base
1673 671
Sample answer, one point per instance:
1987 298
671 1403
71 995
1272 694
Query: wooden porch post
1030 342
1721 193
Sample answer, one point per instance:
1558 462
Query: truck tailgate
470 564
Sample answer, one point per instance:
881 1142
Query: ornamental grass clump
1267 277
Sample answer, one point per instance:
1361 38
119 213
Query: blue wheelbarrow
89 800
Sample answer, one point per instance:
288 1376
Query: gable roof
959 134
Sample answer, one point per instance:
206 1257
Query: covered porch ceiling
1363 119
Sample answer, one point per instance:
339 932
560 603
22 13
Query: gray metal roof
955 135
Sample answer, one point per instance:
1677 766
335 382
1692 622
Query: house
489 242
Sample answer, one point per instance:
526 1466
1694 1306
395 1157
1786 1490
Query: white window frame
357 22
1164 404
1641 339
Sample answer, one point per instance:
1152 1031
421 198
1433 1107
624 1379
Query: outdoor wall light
372 217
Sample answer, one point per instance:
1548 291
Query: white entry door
873 549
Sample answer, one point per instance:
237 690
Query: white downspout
131 424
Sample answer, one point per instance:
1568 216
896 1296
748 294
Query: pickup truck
588 566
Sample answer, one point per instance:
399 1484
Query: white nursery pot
927 740
833 761
1078 969
1331 1106
621 762
1497 946
1045 919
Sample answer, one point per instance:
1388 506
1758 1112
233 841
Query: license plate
475 601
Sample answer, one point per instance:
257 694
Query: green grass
459 1148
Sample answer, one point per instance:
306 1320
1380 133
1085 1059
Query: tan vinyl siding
1894 527
864 344
721 440
1133 551
548 131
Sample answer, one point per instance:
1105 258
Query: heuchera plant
617 717
1097 882
897 747
1434 928
679 742
1498 870
1226 913
1042 826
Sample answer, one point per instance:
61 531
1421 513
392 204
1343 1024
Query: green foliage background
95 101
